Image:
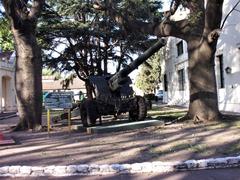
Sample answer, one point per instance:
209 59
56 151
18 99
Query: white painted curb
94 169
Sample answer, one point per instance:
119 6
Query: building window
220 71
181 79
165 81
180 48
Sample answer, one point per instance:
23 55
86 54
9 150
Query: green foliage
47 72
83 38
157 113
140 9
6 38
51 72
150 74
194 18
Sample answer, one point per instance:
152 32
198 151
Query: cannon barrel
120 77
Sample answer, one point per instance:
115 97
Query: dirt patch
178 141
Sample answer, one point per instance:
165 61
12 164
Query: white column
12 95
1 85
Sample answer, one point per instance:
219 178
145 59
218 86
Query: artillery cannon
114 95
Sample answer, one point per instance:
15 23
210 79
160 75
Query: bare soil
177 141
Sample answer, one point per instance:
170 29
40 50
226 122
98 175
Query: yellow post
48 121
69 120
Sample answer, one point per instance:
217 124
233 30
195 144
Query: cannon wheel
139 113
88 113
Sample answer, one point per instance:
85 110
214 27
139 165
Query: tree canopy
83 38
6 37
149 76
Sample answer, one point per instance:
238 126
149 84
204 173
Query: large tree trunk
199 29
203 92
23 16
28 80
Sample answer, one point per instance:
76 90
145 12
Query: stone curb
10 116
94 169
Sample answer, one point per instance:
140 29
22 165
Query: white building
227 65
7 88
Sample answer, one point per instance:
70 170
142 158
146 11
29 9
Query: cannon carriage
114 95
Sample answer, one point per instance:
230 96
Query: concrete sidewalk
7 115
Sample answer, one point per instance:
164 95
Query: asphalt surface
7 115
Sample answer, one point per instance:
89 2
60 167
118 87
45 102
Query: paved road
214 174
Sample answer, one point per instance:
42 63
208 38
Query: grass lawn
166 114
193 145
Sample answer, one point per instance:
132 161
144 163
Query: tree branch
36 9
174 6
225 19
213 20
177 29
78 74
161 29
54 50
9 6
213 36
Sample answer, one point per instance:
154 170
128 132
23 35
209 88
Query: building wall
228 47
175 62
7 88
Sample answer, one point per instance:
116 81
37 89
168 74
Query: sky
166 5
